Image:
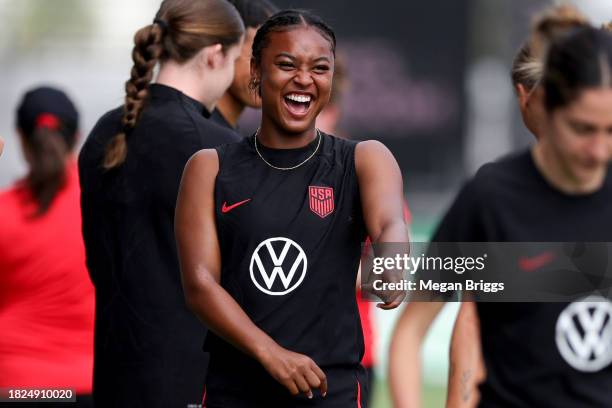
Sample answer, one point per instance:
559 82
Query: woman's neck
230 108
184 79
560 176
270 135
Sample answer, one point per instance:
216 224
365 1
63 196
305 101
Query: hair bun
553 23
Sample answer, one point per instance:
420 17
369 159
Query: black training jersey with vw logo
539 354
290 244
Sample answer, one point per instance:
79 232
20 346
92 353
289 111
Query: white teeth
299 98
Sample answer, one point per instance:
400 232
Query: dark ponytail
180 30
47 121
47 149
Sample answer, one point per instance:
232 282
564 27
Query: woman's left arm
382 198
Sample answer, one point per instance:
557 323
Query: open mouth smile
298 104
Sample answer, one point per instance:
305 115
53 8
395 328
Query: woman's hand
1 145
296 372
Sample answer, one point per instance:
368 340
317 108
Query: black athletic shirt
147 343
528 361
217 117
290 246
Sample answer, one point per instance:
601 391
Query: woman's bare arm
466 363
405 352
381 189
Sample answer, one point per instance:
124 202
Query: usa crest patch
321 200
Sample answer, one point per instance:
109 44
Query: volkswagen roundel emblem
584 334
278 266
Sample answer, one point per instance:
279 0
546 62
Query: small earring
254 84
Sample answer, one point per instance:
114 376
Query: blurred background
430 79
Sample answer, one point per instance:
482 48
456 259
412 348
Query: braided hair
180 30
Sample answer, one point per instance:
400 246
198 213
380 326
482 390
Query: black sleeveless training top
290 245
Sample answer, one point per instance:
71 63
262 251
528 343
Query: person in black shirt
269 232
238 96
147 343
547 354
526 74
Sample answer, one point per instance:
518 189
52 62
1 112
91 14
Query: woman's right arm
200 260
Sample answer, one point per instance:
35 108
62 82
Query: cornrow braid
286 19
146 53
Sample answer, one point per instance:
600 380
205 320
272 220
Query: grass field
433 397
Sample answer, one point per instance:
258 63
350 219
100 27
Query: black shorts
250 386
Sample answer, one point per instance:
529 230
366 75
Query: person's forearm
461 390
385 246
394 231
224 316
405 352
466 365
462 377
405 370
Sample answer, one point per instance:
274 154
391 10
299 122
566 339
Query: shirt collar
164 92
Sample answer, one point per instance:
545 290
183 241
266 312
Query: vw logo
584 334
278 258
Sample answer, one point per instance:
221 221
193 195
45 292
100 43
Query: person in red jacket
46 296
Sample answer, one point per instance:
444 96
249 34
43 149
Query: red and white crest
321 200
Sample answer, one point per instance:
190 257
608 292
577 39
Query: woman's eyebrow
292 57
285 54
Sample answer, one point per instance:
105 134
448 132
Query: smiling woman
296 204
294 80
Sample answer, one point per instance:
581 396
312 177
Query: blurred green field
433 396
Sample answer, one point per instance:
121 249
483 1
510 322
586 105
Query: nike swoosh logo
530 264
227 208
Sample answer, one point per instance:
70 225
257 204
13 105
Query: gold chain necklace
288 168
